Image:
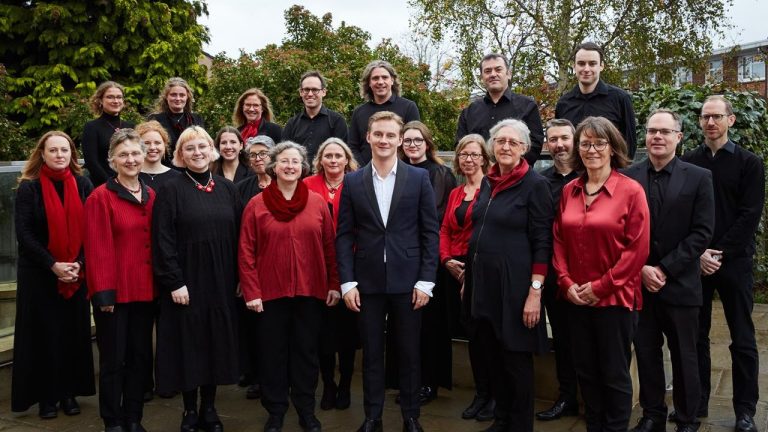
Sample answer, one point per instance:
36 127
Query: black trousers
602 349
248 331
124 338
288 338
734 283
557 313
339 334
395 310
479 363
511 379
680 325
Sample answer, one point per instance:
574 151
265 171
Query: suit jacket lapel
400 180
370 193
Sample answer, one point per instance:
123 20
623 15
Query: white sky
250 25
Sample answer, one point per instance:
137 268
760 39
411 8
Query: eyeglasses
715 117
314 91
665 132
413 142
509 141
473 156
598 145
113 97
250 106
259 155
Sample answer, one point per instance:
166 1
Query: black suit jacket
410 237
683 230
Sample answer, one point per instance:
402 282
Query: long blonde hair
31 170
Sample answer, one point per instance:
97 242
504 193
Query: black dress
52 353
175 124
194 237
156 181
95 144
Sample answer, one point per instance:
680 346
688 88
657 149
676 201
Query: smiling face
155 146
229 146
495 75
288 166
384 137
259 158
252 108
127 159
333 160
57 153
471 159
662 136
381 82
112 101
414 146
587 67
312 92
177 99
560 143
593 158
508 148
196 154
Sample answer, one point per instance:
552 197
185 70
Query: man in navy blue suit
387 253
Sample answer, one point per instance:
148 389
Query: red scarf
501 182
65 222
282 209
251 129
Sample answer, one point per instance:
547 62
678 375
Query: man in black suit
682 204
387 254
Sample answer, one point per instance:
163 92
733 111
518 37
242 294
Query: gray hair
519 126
120 136
283 146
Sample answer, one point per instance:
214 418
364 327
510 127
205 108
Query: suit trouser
680 325
602 350
289 333
557 313
376 310
734 283
124 338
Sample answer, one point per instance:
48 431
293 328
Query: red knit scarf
501 182
65 222
251 129
282 209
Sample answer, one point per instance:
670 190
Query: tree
643 39
56 53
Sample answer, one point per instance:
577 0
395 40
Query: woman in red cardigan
601 242
287 273
118 217
471 162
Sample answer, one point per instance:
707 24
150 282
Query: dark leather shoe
560 408
647 424
745 423
47 410
427 394
253 391
148 395
189 421
412 425
209 421
135 427
310 424
487 412
477 404
274 424
371 425
687 427
117 428
343 399
70 406
499 425
328 401
672 417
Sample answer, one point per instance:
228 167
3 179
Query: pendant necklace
333 189
138 189
208 186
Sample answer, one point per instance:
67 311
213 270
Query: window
751 68
683 76
715 72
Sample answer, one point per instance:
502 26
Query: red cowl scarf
501 182
65 222
282 209
251 129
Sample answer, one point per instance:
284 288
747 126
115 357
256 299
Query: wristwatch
536 285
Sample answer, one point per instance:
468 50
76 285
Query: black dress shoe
745 423
135 427
209 421
328 401
253 391
412 425
117 428
672 417
47 410
477 404
687 427
310 424
274 424
189 421
427 394
343 399
560 408
167 395
371 425
487 413
70 406
149 395
647 424
498 425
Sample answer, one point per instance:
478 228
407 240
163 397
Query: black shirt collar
323 112
506 95
668 168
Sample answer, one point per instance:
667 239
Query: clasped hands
582 295
66 271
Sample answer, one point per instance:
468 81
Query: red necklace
208 186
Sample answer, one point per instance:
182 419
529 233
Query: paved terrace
239 414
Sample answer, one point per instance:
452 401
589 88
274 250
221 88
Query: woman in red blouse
339 333
601 241
287 271
118 216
